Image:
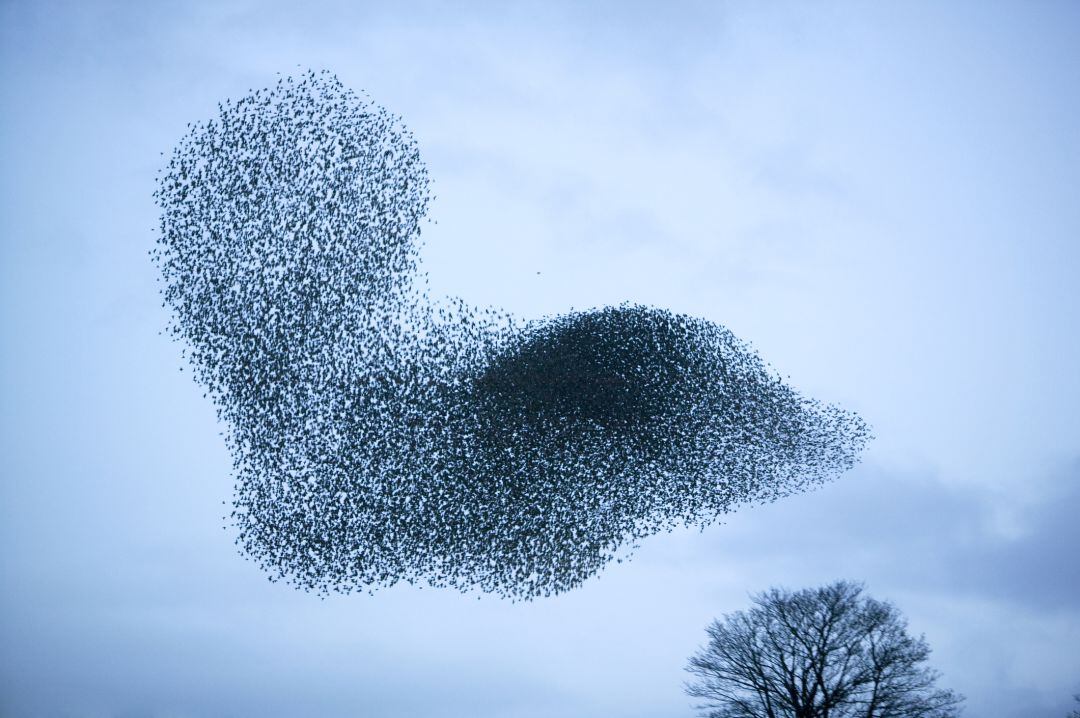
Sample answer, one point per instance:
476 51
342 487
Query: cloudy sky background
883 199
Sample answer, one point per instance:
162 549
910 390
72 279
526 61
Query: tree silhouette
827 652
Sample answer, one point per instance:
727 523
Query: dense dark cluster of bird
380 436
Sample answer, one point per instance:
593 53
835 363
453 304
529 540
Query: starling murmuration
380 436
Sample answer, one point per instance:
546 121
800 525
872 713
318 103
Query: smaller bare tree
829 652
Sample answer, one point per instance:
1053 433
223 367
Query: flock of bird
380 436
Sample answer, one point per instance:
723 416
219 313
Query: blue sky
882 198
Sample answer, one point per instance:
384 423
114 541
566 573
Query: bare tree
828 652
1075 711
